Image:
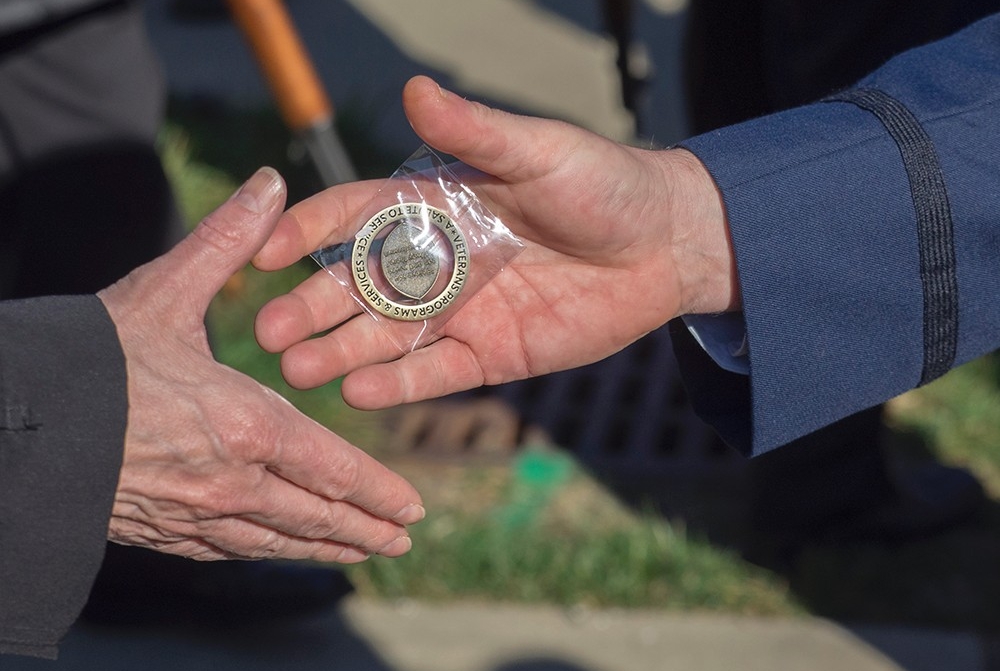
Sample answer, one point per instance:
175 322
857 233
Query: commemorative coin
410 261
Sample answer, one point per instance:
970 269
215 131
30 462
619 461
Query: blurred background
599 491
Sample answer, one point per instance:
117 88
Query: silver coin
411 275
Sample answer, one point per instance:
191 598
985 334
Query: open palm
600 266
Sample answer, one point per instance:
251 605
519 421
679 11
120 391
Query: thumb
499 143
225 241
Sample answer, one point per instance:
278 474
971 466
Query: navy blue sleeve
63 412
867 237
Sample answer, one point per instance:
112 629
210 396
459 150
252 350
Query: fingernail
260 191
411 514
397 547
352 556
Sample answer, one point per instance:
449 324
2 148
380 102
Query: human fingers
178 286
285 474
357 343
325 218
512 147
315 305
225 240
276 518
242 539
294 513
443 367
236 538
312 457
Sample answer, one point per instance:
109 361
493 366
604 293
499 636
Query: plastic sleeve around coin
423 246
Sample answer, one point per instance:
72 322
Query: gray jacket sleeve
21 14
63 412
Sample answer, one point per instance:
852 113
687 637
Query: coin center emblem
410 261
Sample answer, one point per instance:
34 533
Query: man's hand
618 241
216 465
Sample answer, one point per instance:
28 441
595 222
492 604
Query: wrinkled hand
618 241
216 465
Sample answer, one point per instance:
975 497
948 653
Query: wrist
700 243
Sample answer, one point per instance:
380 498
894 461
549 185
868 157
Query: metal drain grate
626 416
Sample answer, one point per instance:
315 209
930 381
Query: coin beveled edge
393 214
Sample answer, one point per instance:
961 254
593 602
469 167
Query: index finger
323 219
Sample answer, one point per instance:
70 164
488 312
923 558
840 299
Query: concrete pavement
491 637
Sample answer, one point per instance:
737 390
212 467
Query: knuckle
249 541
271 545
228 494
215 231
329 524
210 500
240 426
348 478
245 434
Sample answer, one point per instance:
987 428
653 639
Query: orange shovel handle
282 57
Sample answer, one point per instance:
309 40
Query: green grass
544 531
957 418
539 528
646 564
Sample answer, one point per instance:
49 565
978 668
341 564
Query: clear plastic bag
425 244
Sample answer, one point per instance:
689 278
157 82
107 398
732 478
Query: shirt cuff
723 337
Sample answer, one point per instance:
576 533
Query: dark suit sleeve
867 239
63 410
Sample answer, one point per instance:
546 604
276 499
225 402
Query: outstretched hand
618 241
216 465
